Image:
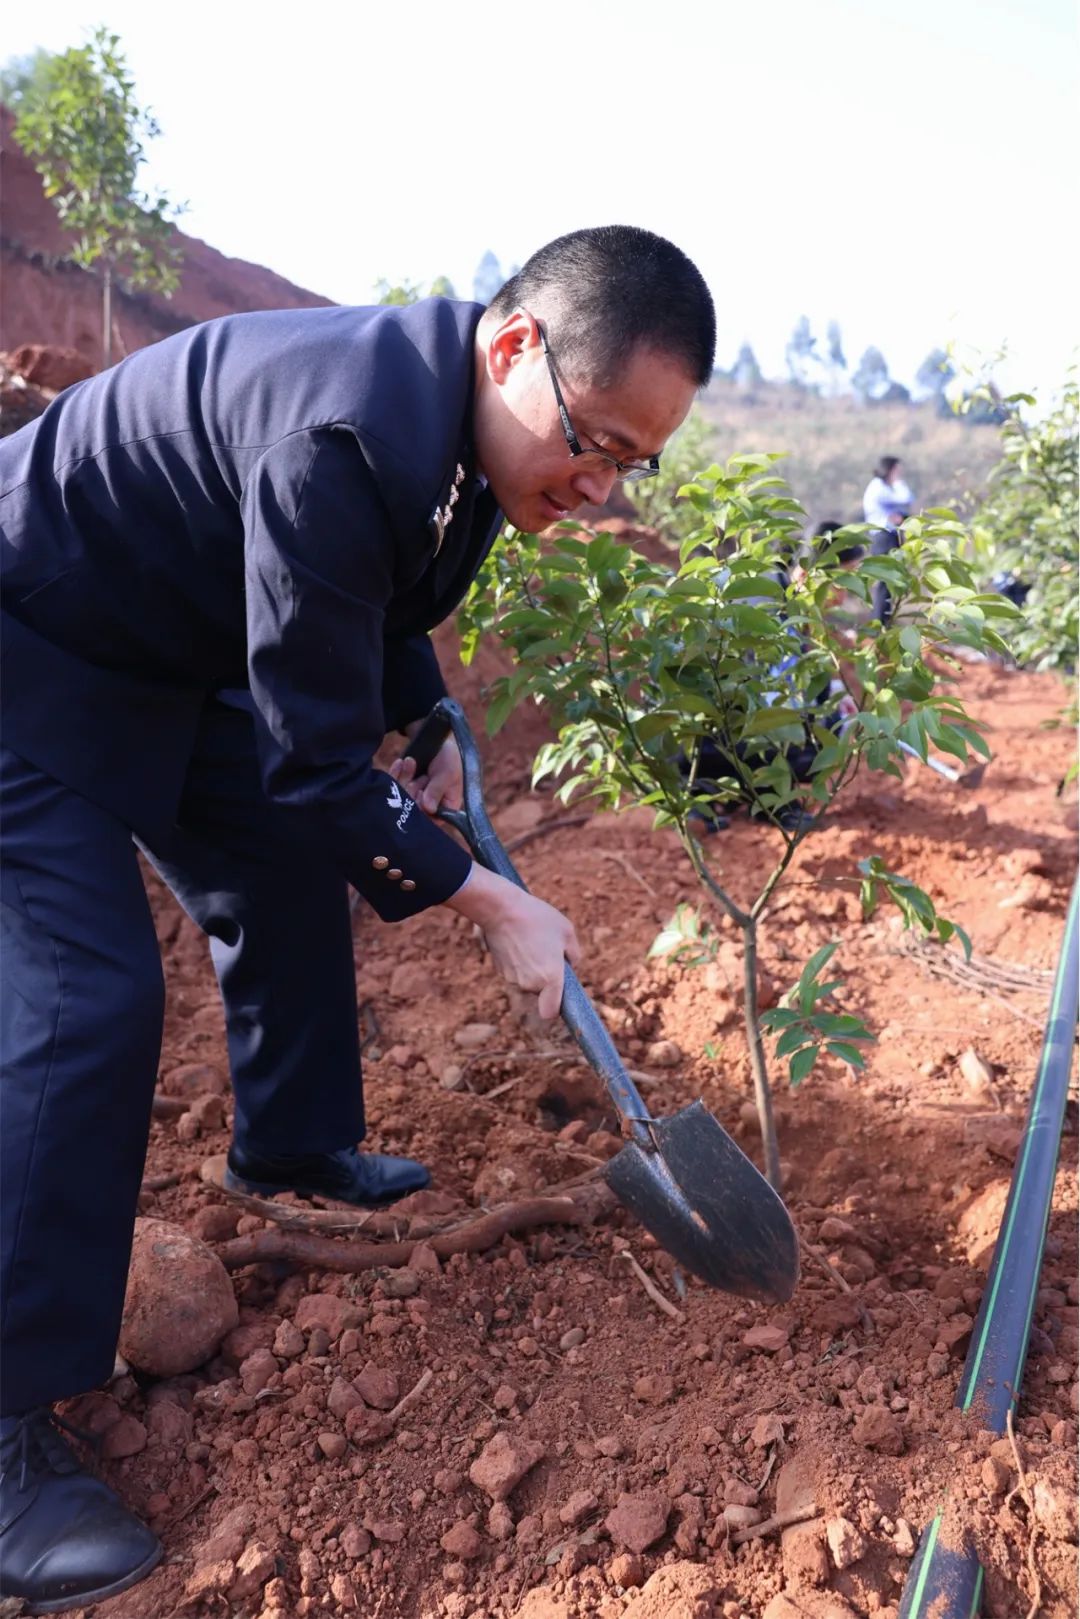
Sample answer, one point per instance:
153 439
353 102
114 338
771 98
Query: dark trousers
882 541
80 1030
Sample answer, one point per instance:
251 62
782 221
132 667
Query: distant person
824 707
887 500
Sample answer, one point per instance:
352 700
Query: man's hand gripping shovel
683 1177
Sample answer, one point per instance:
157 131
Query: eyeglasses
628 471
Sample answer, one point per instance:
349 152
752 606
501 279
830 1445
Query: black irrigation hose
947 1580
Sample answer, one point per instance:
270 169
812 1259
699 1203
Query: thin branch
650 1286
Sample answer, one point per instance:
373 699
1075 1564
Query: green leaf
791 1040
849 1054
801 1064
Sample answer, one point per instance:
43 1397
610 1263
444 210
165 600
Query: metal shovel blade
704 1201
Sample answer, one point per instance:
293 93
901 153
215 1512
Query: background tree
488 278
870 379
803 360
442 287
746 373
408 292
1029 528
77 118
835 361
934 375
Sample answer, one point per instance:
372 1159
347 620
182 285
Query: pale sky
905 166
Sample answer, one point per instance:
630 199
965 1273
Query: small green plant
1028 528
649 670
77 117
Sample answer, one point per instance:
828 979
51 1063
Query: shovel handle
474 824
933 764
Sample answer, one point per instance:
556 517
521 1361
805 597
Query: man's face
521 447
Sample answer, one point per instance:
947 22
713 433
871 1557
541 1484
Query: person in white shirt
887 500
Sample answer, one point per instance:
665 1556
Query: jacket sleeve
319 564
412 679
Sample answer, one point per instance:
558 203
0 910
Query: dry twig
543 829
1033 1527
650 1286
407 1401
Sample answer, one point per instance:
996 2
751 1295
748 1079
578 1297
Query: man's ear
513 340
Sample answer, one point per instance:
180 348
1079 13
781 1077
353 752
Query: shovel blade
708 1206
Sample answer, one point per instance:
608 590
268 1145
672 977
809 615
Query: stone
769 1338
636 1522
904 1539
879 1429
462 1541
976 1072
475 1036
243 1341
332 1445
410 981
126 1437
390 1530
343 1592
253 1568
366 1427
355 1542
503 1463
209 1581
324 1310
578 1508
655 1388
802 1549
663 1054
342 1399
627 1570
401 1284
572 1339
257 1371
377 1387
500 1521
995 1476
846 1544
226 1544
179 1304
215 1223
288 1341
767 1430
739 1517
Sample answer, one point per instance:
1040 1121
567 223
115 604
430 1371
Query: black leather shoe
369 1179
65 1538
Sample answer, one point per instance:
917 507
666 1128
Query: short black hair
618 288
885 465
824 533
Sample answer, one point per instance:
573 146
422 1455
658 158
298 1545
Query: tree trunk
762 1094
106 318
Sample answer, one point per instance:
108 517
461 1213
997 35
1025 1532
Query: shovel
683 1177
964 778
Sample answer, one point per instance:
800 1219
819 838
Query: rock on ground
179 1304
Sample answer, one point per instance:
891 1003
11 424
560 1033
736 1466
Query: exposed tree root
581 1207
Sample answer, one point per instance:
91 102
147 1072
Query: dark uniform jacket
286 501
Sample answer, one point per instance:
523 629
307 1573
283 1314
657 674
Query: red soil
898 1176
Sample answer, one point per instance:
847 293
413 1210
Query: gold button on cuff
407 886
380 862
394 874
